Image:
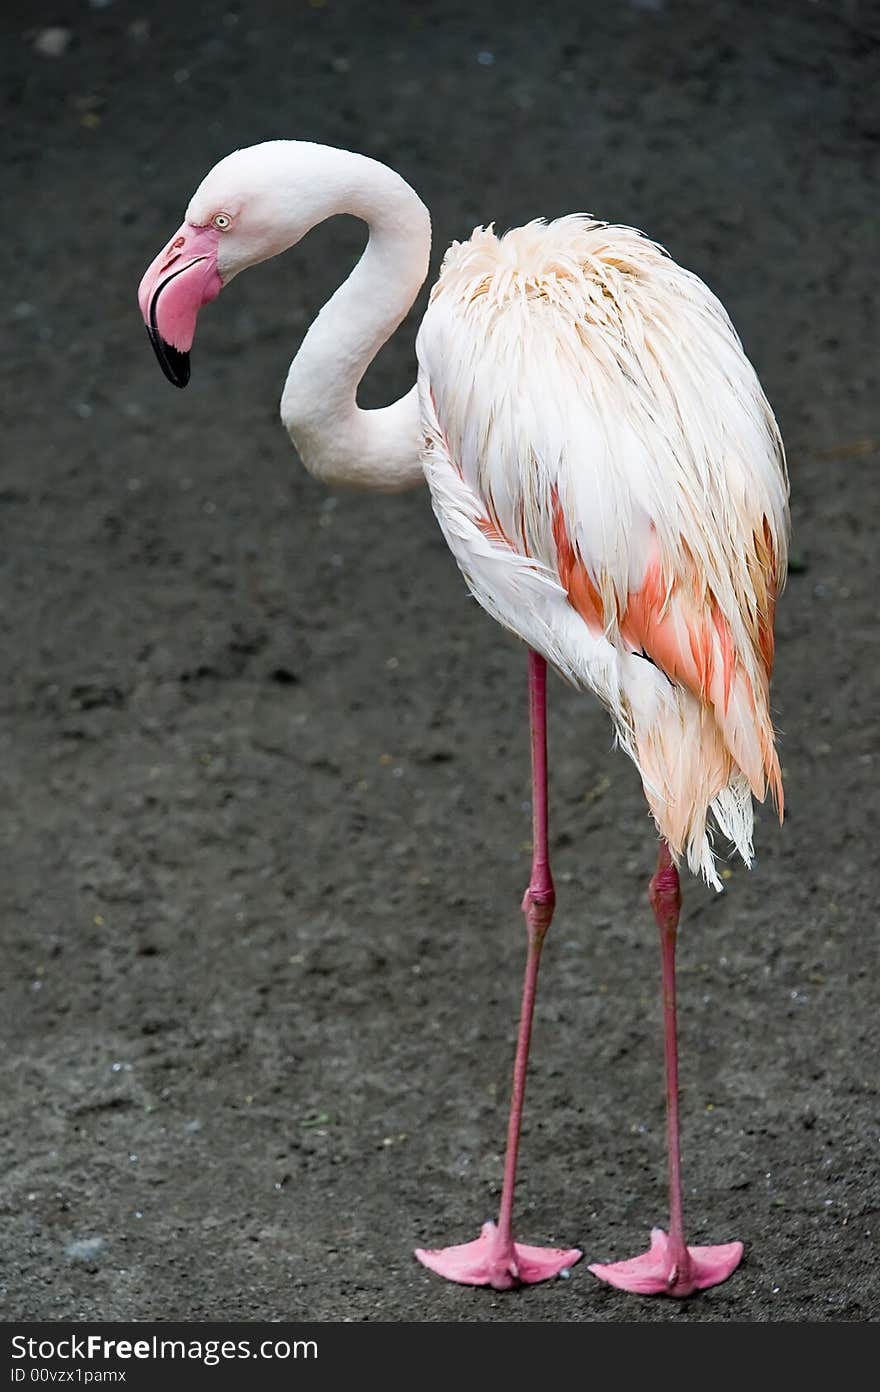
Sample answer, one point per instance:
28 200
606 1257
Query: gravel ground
264 764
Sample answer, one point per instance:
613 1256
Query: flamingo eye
222 221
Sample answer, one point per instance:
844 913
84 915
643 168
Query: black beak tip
173 363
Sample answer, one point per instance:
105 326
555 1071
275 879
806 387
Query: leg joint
538 905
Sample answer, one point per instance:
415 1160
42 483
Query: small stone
85 1248
53 42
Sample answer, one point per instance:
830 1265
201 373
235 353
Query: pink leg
670 1267
494 1259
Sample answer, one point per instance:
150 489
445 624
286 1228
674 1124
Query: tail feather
684 763
733 811
689 770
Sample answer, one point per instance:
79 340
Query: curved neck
337 441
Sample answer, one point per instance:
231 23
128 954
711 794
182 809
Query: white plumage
601 456
591 423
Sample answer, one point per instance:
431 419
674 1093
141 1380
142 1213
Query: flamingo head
254 204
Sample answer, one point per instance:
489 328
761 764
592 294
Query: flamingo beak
182 278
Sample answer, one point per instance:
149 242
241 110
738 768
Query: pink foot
491 1262
655 1273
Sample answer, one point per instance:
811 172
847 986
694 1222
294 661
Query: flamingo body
609 475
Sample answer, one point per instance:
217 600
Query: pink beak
182 278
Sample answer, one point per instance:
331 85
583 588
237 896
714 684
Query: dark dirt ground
264 764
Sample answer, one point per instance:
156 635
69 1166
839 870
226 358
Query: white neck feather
337 441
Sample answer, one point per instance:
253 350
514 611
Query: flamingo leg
670 1267
494 1258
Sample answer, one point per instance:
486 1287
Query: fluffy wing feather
598 448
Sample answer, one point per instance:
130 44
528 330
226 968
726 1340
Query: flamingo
610 478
